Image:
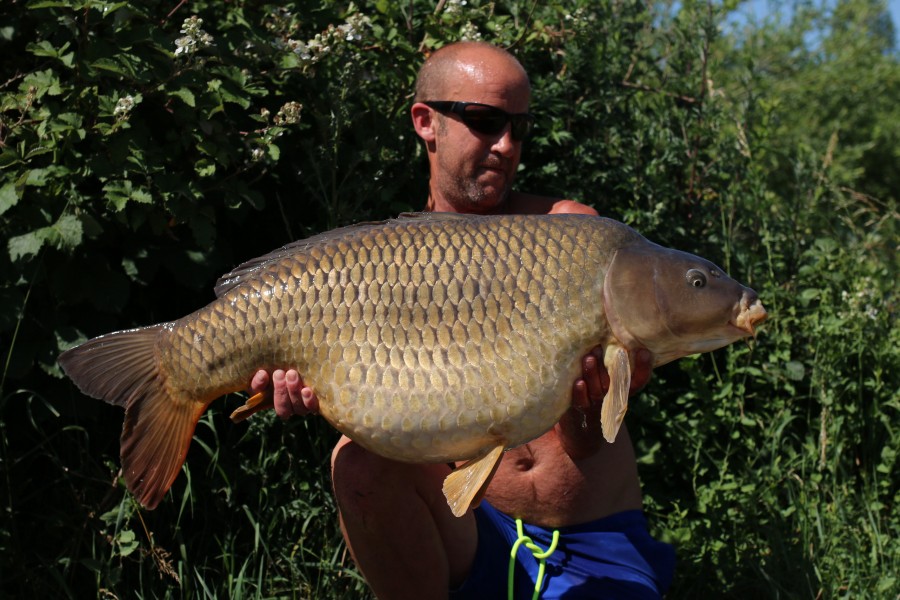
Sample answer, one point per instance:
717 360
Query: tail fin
122 368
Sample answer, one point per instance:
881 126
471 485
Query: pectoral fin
466 485
253 405
615 404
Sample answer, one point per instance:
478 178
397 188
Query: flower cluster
352 29
455 7
194 38
863 301
262 141
289 114
123 106
469 32
580 21
314 50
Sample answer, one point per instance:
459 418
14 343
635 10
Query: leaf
110 7
44 82
205 167
45 48
8 197
794 370
8 158
66 233
120 192
28 244
185 95
809 294
127 542
35 177
108 64
34 5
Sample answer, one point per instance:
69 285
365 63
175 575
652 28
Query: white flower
469 32
300 49
455 7
183 45
194 38
352 30
123 106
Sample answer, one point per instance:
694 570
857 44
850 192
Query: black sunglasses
487 119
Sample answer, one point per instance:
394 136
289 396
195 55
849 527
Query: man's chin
490 201
496 187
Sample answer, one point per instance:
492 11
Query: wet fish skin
430 338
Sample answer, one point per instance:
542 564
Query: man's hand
579 428
289 394
588 392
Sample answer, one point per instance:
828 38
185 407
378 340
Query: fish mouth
749 316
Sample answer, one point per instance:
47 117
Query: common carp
433 337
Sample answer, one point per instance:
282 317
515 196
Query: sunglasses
487 119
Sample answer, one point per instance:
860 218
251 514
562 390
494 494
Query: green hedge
148 147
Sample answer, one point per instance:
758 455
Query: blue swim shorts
613 557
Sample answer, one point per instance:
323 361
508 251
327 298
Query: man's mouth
496 167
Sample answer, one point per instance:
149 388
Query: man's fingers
310 402
294 387
580 398
283 406
643 368
591 374
260 382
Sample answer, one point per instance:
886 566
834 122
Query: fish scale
429 338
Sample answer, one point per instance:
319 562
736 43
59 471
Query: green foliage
147 147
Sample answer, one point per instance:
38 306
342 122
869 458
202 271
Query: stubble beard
473 196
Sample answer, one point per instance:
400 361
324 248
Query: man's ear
423 121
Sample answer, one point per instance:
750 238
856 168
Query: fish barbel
433 337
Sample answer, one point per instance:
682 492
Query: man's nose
505 145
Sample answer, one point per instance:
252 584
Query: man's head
471 171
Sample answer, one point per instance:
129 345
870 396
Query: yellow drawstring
539 554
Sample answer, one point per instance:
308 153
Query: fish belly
424 341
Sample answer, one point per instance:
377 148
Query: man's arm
579 430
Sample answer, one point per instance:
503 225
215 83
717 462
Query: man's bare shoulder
531 204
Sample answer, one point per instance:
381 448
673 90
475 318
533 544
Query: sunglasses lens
521 126
486 119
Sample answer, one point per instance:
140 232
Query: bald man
471 112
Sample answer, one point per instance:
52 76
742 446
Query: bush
148 147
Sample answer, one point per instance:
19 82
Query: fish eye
695 278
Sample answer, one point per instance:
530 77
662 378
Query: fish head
674 303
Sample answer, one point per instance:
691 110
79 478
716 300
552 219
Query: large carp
429 338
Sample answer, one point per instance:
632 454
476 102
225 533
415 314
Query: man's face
473 171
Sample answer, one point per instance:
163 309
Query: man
394 516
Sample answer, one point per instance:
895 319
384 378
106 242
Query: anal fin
615 404
466 485
253 405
